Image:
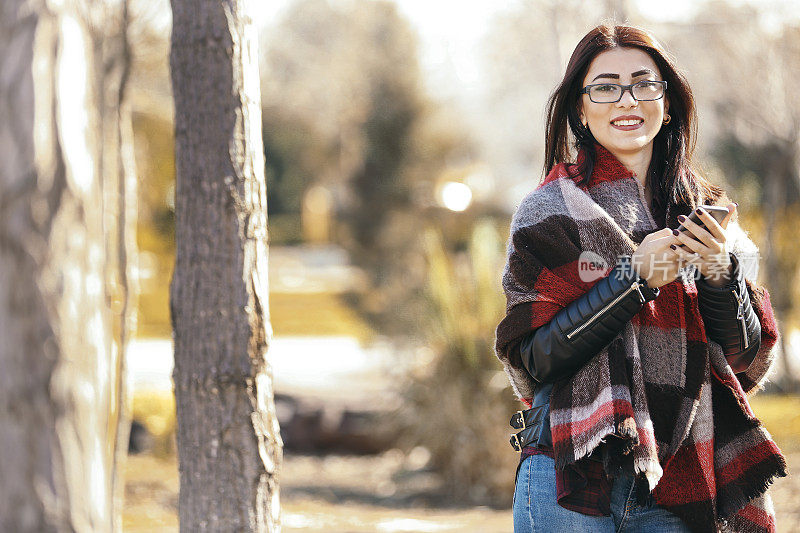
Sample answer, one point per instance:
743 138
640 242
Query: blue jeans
536 509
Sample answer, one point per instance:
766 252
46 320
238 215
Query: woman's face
623 66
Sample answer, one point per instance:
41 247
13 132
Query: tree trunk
229 445
56 370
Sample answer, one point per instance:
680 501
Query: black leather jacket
579 331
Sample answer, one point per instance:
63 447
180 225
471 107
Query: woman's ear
582 117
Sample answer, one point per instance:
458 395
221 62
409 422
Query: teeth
627 122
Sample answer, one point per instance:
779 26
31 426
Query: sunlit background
399 138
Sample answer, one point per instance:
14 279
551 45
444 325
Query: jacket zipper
634 286
740 318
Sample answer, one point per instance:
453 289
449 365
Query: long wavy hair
677 187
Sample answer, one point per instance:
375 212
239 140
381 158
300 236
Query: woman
633 345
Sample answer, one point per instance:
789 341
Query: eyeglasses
609 93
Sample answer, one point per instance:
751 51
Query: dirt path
338 494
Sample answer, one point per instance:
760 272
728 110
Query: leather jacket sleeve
729 318
580 330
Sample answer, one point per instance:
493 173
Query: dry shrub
457 404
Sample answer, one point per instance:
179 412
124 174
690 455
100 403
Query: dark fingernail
699 210
673 246
681 218
675 232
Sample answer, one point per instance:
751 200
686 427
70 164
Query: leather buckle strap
525 437
526 418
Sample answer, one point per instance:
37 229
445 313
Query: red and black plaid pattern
661 395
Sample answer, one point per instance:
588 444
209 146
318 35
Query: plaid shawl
661 395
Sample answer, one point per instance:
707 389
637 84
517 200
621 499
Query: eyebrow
633 75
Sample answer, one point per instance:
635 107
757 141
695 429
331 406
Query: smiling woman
658 151
635 374
616 115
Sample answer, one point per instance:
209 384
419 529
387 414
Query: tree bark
229 444
56 374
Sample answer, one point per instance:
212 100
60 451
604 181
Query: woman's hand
708 246
654 260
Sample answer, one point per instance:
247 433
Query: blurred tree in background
522 68
346 112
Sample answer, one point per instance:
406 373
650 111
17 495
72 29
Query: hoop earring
666 120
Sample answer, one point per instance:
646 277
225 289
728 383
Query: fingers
657 258
661 239
732 207
704 234
711 223
661 244
684 255
684 238
657 237
660 261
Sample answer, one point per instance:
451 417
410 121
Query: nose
627 99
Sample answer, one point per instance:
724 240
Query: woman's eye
606 88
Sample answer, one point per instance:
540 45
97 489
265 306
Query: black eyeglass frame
624 88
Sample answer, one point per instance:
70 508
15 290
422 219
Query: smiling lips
627 122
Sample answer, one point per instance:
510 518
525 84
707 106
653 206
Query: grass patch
291 314
318 314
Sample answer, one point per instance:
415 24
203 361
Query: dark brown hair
677 188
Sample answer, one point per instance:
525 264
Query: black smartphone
715 211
